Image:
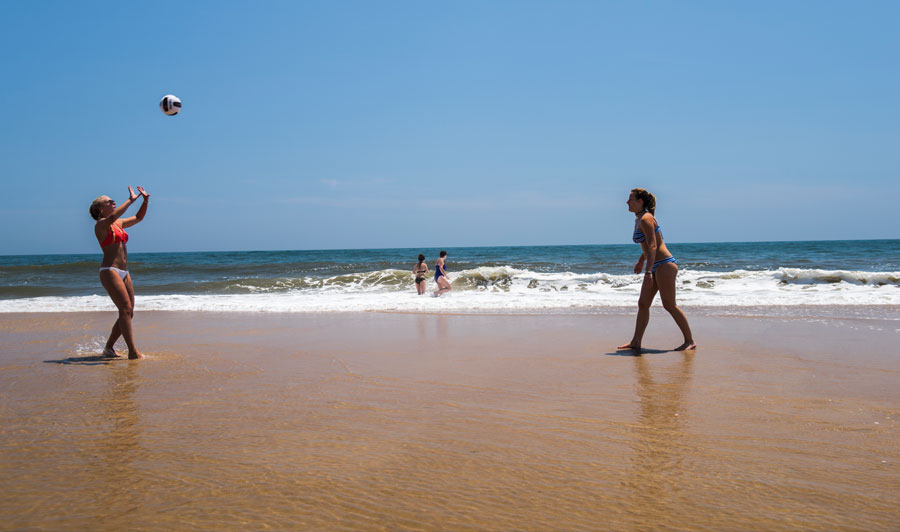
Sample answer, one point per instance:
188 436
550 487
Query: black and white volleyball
170 104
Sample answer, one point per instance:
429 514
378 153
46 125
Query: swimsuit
420 276
122 273
662 261
639 237
437 271
115 234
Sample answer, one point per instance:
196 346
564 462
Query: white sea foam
499 289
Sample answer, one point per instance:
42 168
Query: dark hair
421 258
96 205
443 254
648 198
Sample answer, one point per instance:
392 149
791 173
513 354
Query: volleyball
170 104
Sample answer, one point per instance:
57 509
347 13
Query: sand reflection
659 443
119 446
431 328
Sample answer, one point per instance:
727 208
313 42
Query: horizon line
457 247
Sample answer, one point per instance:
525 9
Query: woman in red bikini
110 232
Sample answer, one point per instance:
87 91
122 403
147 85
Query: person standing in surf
660 269
114 276
419 270
440 275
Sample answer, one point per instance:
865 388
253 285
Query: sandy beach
379 421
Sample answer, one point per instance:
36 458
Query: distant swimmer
440 275
114 276
419 270
659 273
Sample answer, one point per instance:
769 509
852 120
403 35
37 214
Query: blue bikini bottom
662 261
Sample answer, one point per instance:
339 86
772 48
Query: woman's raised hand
131 195
143 192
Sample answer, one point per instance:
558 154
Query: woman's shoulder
649 218
105 222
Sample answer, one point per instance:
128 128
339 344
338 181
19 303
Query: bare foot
687 346
110 352
629 346
135 355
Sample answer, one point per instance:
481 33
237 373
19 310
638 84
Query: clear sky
315 125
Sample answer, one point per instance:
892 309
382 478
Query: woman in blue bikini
659 273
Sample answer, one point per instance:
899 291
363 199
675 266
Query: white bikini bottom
122 273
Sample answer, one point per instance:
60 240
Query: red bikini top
115 234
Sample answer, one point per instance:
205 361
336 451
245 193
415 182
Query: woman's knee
670 305
126 311
644 305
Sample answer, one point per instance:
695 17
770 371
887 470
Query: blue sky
315 125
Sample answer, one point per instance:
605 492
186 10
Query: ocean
485 279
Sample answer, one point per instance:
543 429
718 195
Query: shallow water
427 422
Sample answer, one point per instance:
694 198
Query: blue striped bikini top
639 236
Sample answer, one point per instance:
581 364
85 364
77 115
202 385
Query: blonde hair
96 205
648 198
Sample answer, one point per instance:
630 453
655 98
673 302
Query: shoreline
374 420
831 311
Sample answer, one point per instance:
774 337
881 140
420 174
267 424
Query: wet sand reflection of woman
116 480
659 442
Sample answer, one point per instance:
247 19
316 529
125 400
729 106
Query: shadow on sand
93 360
643 351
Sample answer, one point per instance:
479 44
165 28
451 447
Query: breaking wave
487 289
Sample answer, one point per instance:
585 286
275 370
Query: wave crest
487 288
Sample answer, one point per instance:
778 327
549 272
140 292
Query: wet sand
448 422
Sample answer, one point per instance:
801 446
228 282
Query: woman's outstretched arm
104 224
128 222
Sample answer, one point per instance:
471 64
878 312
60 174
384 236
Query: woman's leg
122 294
114 334
648 292
443 286
665 279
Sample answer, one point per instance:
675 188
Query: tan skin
116 255
443 281
420 270
662 281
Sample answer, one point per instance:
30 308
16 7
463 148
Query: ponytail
96 205
648 198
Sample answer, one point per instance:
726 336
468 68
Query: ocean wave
61 267
798 276
24 290
489 288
